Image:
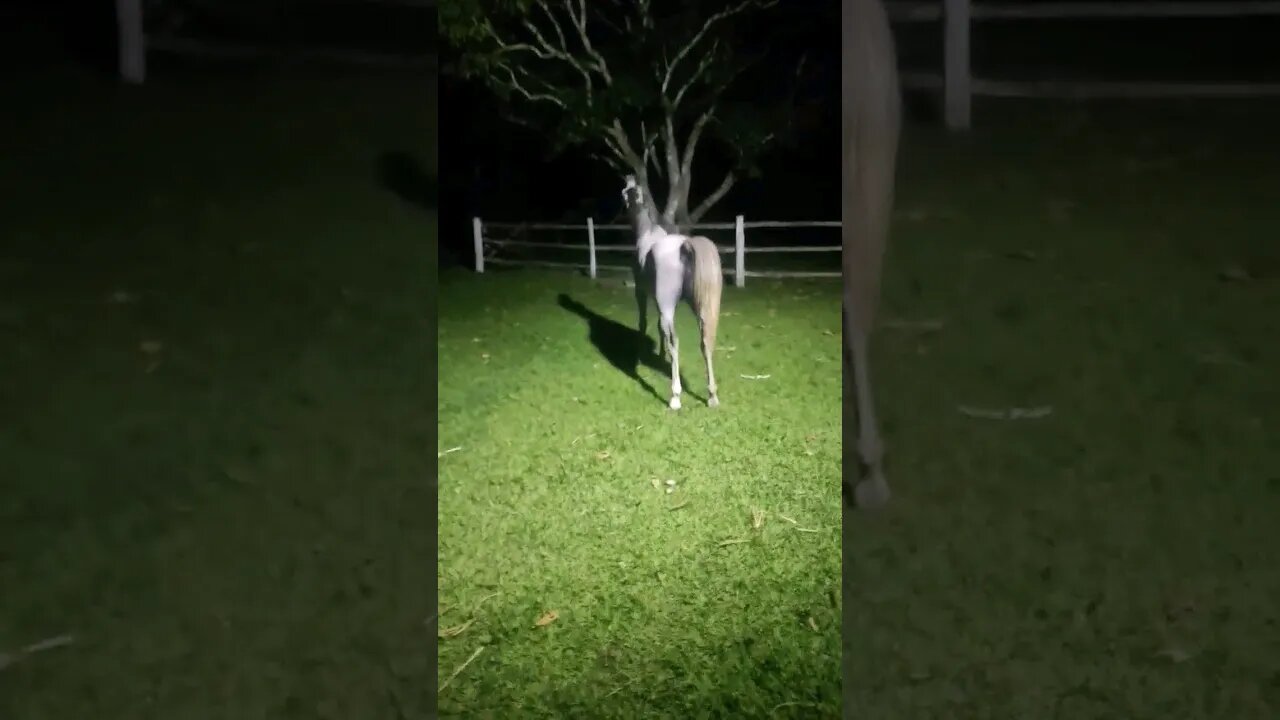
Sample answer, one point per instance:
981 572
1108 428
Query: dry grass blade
436 615
731 541
754 377
1234 272
547 618
779 706
1219 358
461 667
797 525
7 659
915 325
456 630
1176 654
446 452
1017 413
49 644
620 688
757 519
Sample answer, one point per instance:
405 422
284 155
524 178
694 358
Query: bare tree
639 84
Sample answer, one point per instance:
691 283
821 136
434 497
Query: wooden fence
134 42
739 249
959 86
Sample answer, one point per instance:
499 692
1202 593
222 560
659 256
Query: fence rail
959 86
739 249
134 43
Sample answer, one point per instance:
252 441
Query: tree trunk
679 219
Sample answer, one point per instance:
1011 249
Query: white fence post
591 245
477 234
740 253
957 94
131 40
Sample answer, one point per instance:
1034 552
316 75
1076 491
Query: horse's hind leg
713 400
642 304
667 322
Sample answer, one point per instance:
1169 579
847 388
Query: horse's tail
708 280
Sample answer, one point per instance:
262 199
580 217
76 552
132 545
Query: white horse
670 267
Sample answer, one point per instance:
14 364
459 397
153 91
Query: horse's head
642 214
632 194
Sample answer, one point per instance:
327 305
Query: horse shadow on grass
623 347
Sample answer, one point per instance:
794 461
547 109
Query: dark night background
498 170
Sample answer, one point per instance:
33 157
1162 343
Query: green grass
1115 559
230 520
551 503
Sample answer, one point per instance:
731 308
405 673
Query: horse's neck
648 238
647 231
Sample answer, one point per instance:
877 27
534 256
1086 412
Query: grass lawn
1115 559
215 395
668 604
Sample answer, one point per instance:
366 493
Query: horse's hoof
872 493
713 401
675 403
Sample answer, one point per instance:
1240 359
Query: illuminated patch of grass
718 597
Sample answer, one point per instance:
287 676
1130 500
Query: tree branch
713 198
520 89
612 161
692 143
697 73
702 31
673 167
543 49
623 145
555 24
580 22
646 17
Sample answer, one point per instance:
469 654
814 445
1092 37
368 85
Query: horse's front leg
642 307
